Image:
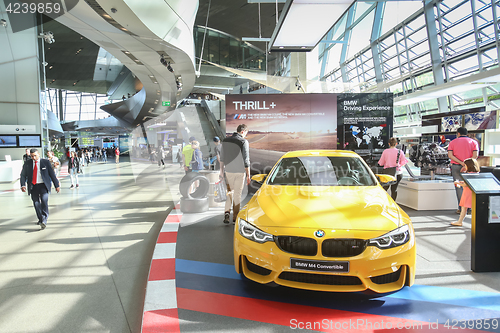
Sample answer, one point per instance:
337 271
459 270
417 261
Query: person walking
235 166
393 160
39 175
74 169
27 156
54 161
117 155
87 156
466 200
197 160
459 150
180 159
187 155
215 160
80 154
104 155
161 156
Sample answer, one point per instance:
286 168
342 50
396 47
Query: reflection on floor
87 271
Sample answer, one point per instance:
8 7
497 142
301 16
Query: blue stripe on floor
352 302
206 268
470 298
451 296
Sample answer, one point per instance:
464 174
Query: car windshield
321 171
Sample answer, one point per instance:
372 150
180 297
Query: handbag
220 191
390 171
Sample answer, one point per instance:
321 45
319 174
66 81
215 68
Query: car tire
199 205
186 182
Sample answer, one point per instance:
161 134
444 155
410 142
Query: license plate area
320 266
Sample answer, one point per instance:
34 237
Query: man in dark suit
39 174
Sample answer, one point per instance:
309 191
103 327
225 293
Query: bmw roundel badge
319 233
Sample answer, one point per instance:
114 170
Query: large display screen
365 123
30 141
481 120
8 141
123 143
279 123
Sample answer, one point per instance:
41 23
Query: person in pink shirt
393 160
459 150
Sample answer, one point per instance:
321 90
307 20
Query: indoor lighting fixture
291 35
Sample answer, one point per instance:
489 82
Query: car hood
326 207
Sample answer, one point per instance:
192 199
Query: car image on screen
322 221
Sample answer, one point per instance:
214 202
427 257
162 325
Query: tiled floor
87 271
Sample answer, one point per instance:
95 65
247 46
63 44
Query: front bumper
374 269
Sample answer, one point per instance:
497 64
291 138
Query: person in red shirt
37 178
117 155
459 150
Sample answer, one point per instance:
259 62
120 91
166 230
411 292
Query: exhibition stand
10 170
427 194
485 231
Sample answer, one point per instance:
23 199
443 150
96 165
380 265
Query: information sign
494 211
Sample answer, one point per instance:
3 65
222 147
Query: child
466 200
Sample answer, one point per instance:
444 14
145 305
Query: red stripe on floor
297 316
160 321
178 206
162 269
173 218
167 237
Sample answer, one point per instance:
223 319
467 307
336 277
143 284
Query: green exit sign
165 103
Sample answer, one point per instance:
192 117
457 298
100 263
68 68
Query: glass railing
226 50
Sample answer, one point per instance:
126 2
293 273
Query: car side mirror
386 180
259 178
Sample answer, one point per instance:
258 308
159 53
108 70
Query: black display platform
485 245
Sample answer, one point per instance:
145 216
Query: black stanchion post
485 233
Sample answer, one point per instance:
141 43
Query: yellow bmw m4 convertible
322 221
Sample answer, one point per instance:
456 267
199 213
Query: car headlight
392 239
254 234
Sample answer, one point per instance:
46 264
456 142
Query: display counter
10 171
427 194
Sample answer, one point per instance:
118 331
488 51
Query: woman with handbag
393 160
73 169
